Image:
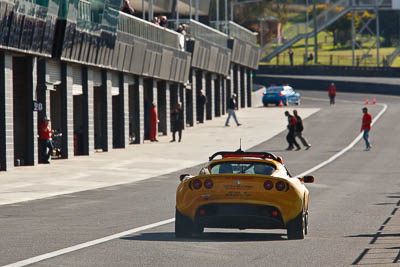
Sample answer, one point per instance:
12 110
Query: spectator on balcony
126 8
163 21
156 21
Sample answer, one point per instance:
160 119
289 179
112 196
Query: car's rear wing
241 154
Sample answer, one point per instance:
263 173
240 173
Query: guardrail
147 30
197 30
234 30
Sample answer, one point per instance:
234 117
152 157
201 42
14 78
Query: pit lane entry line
164 222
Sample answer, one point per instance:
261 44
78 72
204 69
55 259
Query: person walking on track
332 94
366 127
292 128
232 106
299 130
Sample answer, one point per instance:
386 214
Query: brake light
197 184
208 184
280 186
280 159
202 212
280 94
268 185
274 213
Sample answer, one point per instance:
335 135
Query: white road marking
344 150
87 244
164 222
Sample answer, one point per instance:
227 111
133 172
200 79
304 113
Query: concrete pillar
32 118
155 100
107 110
239 86
236 84
67 120
224 84
249 87
182 99
167 107
88 103
213 103
194 96
124 110
210 93
218 90
246 88
140 88
6 113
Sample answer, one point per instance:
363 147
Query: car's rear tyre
183 225
296 228
298 102
265 104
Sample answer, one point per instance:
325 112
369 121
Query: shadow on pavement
208 237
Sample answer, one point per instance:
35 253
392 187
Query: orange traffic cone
366 101
373 101
280 103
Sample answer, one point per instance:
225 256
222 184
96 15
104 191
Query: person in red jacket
332 93
45 140
366 127
153 123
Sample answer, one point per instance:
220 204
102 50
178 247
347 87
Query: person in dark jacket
232 106
292 128
299 130
177 122
202 103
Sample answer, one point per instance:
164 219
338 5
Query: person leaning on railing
126 8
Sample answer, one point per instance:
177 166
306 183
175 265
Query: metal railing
198 30
335 10
147 30
234 30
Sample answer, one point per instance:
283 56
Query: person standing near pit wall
332 94
45 141
366 127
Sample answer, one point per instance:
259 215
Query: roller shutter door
77 80
114 83
53 73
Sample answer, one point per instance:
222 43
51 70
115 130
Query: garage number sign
37 106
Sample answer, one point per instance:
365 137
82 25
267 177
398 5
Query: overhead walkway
336 9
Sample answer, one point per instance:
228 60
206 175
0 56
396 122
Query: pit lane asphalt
351 200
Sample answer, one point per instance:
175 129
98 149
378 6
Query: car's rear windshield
274 89
243 167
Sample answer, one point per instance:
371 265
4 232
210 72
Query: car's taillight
280 159
274 213
280 186
280 94
268 185
197 184
208 184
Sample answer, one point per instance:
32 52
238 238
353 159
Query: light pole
315 34
150 10
217 15
190 10
306 41
196 12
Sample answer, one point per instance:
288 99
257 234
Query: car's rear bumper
241 216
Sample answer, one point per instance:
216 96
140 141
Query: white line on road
164 222
87 244
344 150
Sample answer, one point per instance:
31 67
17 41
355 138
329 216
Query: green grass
330 55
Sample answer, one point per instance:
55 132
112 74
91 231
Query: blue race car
276 94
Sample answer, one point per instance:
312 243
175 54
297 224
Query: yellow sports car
242 190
